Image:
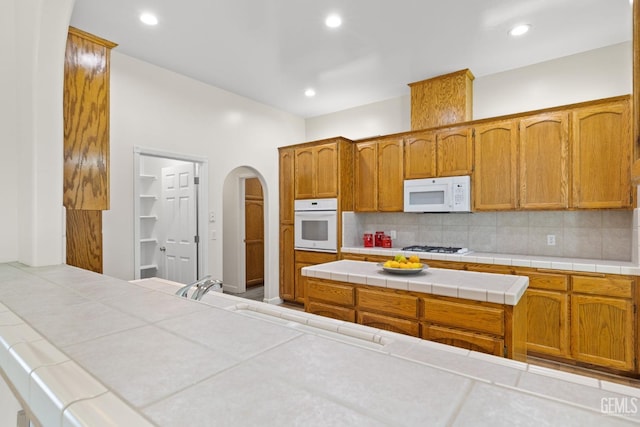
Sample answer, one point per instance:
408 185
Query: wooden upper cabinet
495 175
86 121
327 170
602 141
390 175
286 185
316 171
420 155
544 161
442 100
379 176
365 186
455 151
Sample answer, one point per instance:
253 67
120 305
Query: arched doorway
243 257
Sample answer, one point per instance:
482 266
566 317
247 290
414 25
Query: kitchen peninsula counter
488 287
83 349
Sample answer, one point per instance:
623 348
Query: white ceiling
272 50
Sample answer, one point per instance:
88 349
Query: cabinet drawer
466 316
314 257
489 268
388 302
326 310
329 292
554 282
463 339
379 321
606 286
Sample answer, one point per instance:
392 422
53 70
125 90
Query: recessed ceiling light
333 21
149 19
519 30
310 93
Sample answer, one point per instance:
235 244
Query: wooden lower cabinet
602 331
548 322
490 328
464 339
305 259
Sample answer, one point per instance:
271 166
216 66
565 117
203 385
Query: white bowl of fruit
403 265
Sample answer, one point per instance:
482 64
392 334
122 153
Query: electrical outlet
551 239
393 234
212 216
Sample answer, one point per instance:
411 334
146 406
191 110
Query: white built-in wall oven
316 225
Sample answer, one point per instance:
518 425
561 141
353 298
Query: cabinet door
304 173
390 176
287 267
544 161
326 170
495 175
287 174
420 156
454 152
464 339
548 322
366 177
602 331
601 139
332 311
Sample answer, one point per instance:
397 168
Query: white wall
155 108
33 42
595 74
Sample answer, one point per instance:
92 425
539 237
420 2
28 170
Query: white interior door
178 218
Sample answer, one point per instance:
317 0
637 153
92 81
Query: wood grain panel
601 138
330 292
86 122
602 331
254 232
464 315
548 322
287 267
365 197
390 175
387 323
420 156
455 151
463 339
495 175
84 239
544 161
442 100
393 303
287 172
340 313
605 286
326 170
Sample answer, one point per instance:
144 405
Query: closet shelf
153 217
149 267
151 177
148 196
149 240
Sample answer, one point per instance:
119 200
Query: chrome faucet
202 286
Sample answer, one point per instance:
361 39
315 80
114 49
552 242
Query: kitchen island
477 311
82 349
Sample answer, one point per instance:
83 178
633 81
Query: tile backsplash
606 234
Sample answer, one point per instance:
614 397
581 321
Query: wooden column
635 169
86 146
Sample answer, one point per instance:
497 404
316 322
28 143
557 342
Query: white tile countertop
552 263
488 287
83 349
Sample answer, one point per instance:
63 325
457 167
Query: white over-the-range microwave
446 194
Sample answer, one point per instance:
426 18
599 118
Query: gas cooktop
436 249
